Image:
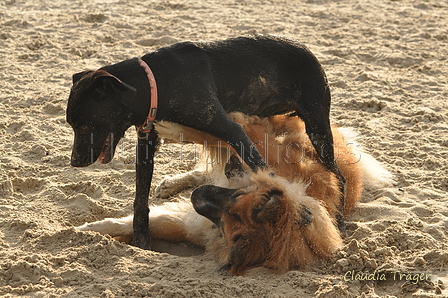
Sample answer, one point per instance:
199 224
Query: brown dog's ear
271 210
237 256
305 217
247 252
234 168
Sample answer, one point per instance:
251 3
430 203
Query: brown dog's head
271 223
96 115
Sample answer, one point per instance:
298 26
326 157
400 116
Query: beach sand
386 63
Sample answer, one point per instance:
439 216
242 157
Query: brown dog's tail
374 173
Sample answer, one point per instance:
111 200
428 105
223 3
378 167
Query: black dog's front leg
144 167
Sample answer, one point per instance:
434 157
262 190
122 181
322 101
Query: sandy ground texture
387 65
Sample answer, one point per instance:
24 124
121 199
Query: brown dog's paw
171 186
166 189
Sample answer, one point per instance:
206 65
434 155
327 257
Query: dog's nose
210 201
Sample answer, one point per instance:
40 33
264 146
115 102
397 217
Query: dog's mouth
107 153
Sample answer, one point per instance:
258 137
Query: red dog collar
148 124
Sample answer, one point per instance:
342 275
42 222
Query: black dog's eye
85 127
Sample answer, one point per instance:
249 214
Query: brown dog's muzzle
210 201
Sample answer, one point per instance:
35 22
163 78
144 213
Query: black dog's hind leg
325 148
319 131
144 167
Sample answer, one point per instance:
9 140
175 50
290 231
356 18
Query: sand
387 66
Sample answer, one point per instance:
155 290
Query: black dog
199 83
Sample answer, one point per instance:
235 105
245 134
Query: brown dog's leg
144 167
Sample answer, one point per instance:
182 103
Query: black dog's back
280 72
259 75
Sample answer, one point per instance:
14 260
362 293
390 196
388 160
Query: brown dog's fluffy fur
280 222
291 230
288 151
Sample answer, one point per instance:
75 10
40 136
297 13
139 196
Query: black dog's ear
119 85
77 76
102 80
101 84
234 167
211 201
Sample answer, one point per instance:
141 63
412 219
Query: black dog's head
97 116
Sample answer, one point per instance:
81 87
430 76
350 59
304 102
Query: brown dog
280 222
